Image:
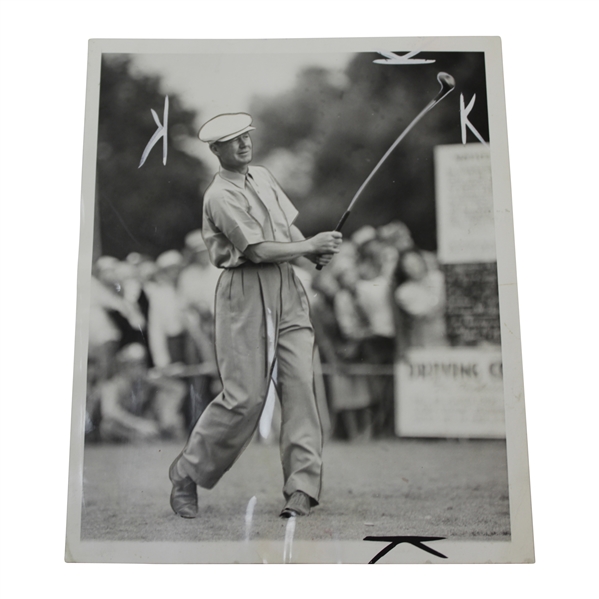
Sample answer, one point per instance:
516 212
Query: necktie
251 183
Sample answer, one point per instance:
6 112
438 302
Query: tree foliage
322 138
147 209
349 125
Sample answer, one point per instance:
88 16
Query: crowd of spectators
151 363
380 296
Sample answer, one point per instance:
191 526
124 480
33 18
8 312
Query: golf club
447 85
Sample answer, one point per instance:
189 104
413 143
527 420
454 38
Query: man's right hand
326 243
320 259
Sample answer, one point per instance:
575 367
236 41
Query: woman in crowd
420 296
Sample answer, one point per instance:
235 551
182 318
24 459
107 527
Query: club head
447 83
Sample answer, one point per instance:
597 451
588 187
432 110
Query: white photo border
519 548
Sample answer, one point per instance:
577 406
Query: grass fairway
452 489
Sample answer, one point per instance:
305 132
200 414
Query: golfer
262 326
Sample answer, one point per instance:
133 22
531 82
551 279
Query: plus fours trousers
261 315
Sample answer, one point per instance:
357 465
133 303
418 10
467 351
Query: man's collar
236 178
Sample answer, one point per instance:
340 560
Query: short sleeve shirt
242 210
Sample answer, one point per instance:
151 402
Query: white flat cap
225 127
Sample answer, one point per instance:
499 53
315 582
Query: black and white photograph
296 334
490 448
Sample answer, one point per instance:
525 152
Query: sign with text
450 392
464 197
472 303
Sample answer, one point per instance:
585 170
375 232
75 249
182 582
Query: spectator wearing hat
104 334
198 279
373 297
128 287
136 406
166 329
107 309
141 269
349 396
115 276
262 326
197 289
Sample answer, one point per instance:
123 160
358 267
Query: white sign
464 196
450 392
